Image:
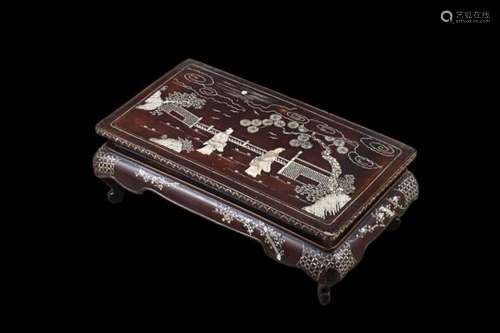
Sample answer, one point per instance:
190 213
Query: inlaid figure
153 102
175 145
263 162
217 142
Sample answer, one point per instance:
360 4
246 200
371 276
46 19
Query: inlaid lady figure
263 162
217 142
170 143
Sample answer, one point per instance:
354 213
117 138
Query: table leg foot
324 294
116 192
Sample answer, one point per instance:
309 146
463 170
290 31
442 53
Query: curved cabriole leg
104 163
116 192
326 268
324 294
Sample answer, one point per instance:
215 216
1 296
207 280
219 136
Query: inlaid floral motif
270 235
157 181
382 215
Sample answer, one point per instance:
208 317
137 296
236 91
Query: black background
399 71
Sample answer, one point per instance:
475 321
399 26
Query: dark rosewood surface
121 171
304 169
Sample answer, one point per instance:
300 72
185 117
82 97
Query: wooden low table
314 189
